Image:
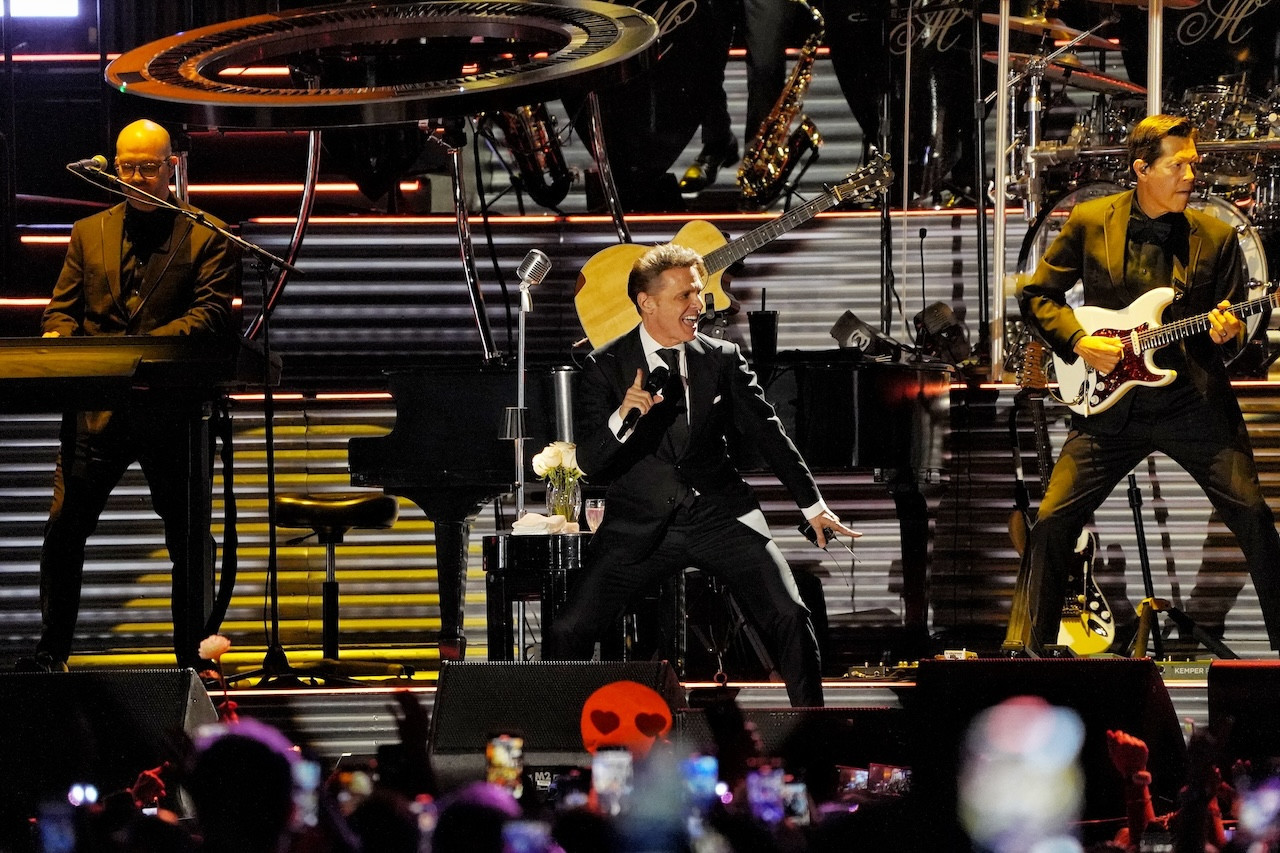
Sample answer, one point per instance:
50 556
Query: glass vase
565 500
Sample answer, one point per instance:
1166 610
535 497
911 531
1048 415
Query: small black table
527 568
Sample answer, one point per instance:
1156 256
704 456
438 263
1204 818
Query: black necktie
674 394
1143 230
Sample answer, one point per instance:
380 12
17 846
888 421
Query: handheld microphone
96 163
656 382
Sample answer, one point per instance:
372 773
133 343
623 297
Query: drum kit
1238 138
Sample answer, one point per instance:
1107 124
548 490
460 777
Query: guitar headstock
873 178
1031 375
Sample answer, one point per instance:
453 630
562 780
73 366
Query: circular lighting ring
589 44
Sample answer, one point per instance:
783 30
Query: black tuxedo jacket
1207 267
187 288
646 478
187 285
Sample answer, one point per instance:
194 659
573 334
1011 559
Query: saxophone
776 148
530 134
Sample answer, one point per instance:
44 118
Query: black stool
331 515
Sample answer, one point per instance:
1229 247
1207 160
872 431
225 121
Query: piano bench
331 515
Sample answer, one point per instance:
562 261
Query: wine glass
594 512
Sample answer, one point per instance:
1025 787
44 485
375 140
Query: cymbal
1053 28
1067 69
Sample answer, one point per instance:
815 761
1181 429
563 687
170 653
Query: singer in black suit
1120 247
674 498
134 269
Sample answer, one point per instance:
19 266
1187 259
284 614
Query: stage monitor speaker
98 727
539 700
1111 693
1245 694
812 742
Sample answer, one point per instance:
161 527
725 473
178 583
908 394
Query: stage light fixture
852 333
939 333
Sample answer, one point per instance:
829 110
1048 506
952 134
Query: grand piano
446 455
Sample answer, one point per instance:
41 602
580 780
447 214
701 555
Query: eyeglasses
148 169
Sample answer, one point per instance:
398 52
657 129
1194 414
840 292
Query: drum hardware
1069 70
1224 146
1112 116
1051 152
1225 111
1035 69
1053 29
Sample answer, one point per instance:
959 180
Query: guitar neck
734 251
1044 458
1179 329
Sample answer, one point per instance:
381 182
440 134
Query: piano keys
93 373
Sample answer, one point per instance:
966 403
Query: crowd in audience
252 791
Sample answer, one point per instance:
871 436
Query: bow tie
1149 231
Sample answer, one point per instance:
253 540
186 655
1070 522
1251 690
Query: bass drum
1051 219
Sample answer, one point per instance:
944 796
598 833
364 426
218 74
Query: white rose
569 456
546 460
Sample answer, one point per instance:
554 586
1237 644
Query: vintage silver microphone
533 269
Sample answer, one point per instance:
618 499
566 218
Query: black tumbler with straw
764 334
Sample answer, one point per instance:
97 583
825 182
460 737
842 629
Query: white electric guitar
1138 328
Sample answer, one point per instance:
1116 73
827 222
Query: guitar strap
1179 277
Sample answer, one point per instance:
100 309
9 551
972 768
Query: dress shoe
702 173
40 662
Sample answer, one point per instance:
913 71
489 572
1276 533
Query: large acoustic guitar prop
605 310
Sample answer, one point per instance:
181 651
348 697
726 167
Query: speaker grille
540 701
98 727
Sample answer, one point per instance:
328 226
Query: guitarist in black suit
1122 246
675 498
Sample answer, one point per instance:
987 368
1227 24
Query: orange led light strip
41 301
405 186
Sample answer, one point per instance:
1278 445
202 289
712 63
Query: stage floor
353 721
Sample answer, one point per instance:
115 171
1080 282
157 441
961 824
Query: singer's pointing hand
824 522
638 398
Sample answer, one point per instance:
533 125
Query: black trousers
90 465
1210 442
767 23
749 564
